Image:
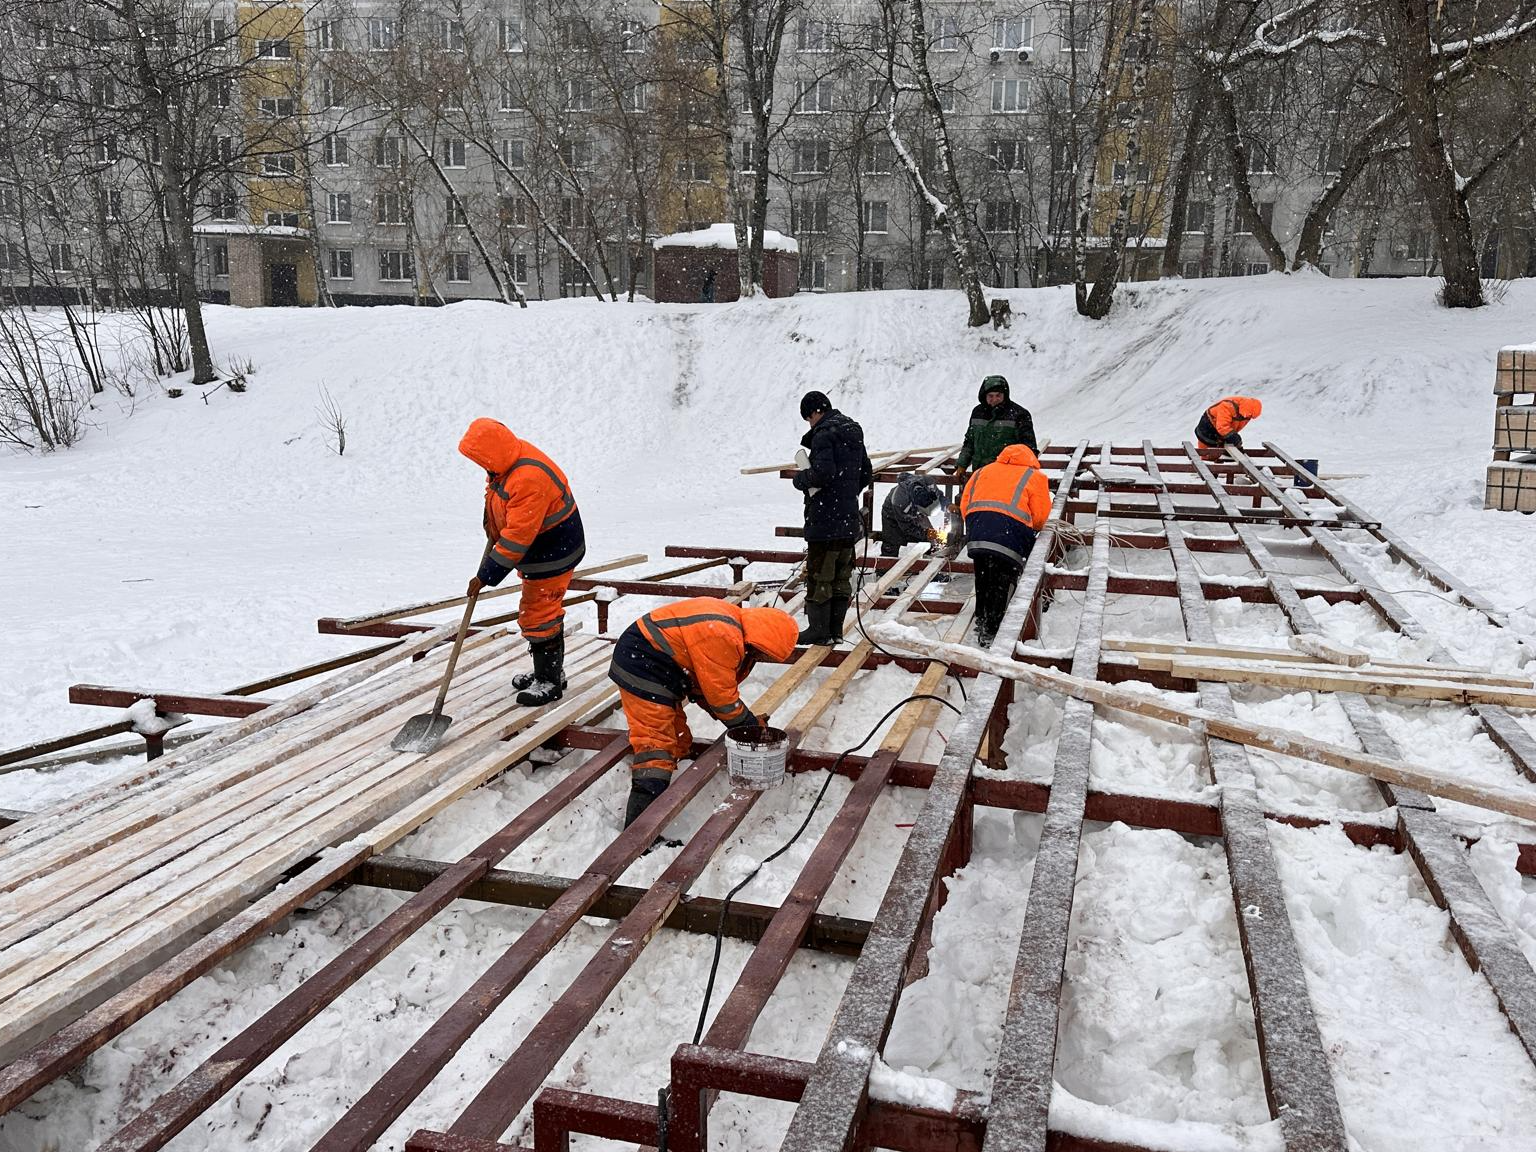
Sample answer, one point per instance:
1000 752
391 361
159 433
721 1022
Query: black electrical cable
725 907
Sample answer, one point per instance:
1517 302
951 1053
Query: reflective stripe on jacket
526 496
1005 504
705 640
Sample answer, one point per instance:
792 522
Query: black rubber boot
835 618
817 617
642 791
547 682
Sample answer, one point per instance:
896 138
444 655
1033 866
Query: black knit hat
814 402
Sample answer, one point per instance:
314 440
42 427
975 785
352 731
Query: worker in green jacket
996 422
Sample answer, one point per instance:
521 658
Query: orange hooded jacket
709 638
525 493
1233 413
1013 485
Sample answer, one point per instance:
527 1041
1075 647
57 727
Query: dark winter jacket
839 471
904 515
993 429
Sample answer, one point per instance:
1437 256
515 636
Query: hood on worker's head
492 445
993 384
1019 455
772 631
1249 408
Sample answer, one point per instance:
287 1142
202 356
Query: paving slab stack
1512 475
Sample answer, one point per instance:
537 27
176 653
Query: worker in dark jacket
1223 422
996 422
1005 505
904 514
834 470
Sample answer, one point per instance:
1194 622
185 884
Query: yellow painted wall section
273 79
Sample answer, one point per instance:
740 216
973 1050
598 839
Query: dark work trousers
996 578
828 570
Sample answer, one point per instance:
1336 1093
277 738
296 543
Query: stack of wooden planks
97 890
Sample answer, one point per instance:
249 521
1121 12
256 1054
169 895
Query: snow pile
724 236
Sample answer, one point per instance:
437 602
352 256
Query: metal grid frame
1245 492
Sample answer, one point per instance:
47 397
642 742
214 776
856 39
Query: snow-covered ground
192 546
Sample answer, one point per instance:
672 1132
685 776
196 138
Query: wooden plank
1312 678
426 606
50 821
100 823
1026 1057
1330 650
1161 658
828 1114
761 469
383 791
1297 1081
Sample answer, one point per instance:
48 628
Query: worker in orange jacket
1004 505
1223 422
700 650
535 526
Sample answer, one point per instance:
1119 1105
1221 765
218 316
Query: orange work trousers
541 613
658 733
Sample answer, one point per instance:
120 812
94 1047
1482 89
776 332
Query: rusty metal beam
212 704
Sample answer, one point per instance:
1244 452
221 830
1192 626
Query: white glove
802 462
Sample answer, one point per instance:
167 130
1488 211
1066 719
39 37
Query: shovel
424 732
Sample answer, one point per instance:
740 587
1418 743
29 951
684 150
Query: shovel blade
421 733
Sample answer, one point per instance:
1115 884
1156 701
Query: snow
724 236
234 527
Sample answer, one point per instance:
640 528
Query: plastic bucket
1310 466
755 757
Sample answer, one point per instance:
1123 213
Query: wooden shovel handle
458 643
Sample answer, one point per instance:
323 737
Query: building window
453 152
813 156
518 263
1073 23
215 33
637 97
879 157
333 92
875 217
275 107
396 265
382 34
450 35
338 208
1190 269
573 209
1266 213
225 205
511 99
339 261
578 95
282 219
1261 157
1002 216
871 275
1330 156
511 38
813 97
632 35
808 215
388 208
1008 155
274 50
1010 96
930 273
694 170
1120 172
105 150
328 35
111 204
1010 33
279 164
576 154
458 267
1196 213
457 217
748 165
514 153
1257 269
813 273
946 34
386 151
218 257
104 92
220 91
811 36
573 34
514 212
877 95
336 152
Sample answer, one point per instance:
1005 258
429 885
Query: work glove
474 587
